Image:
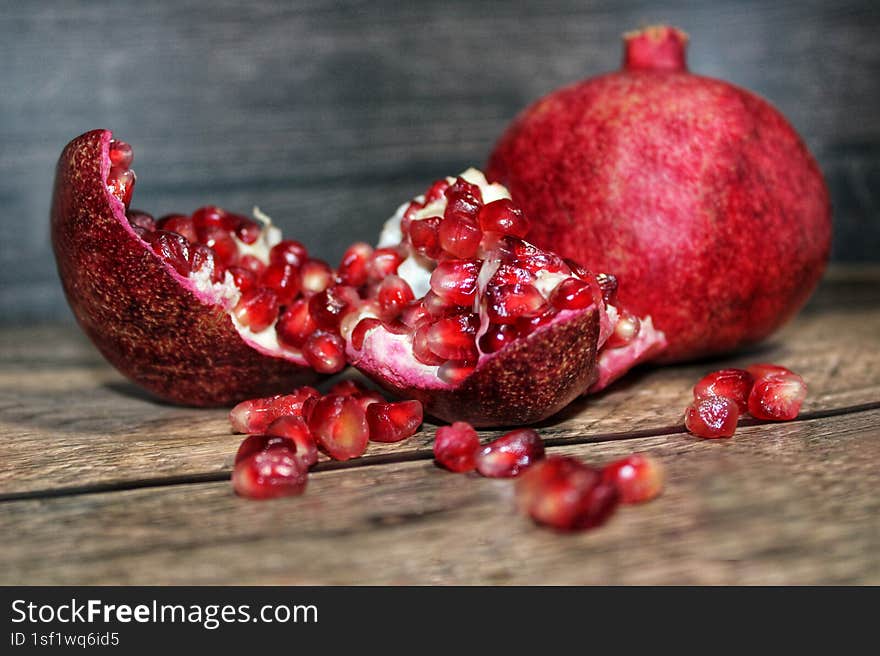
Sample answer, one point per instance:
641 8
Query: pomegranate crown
655 48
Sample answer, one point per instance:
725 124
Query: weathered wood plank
784 503
71 421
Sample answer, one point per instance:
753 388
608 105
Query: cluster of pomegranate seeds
766 391
294 426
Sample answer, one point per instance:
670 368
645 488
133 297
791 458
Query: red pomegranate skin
697 194
138 315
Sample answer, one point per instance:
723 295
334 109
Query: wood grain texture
778 503
330 113
71 421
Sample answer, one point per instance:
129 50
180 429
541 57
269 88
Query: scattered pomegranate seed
565 494
120 183
172 248
393 422
121 154
348 387
424 238
383 263
353 267
141 220
255 443
204 259
456 446
625 330
180 224
764 369
504 217
359 334
455 281
368 398
712 416
255 415
506 303
453 338
295 324
572 294
284 280
460 237
498 336
510 454
463 200
271 473
289 252
257 308
327 308
638 478
735 384
325 352
294 428
339 424
777 396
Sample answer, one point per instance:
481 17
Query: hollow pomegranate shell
140 317
698 195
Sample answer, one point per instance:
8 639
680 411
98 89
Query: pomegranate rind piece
149 322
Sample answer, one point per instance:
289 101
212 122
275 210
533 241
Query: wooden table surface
101 485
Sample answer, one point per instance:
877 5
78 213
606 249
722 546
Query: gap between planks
396 457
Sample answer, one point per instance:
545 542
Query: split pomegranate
638 477
456 446
662 177
735 384
268 473
510 454
712 416
777 396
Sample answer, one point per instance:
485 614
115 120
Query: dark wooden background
329 113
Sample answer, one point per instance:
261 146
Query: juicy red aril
527 325
638 478
204 259
506 303
383 263
454 372
141 220
288 252
353 267
456 446
625 330
712 416
180 224
777 396
242 278
255 415
366 399
257 308
565 494
394 294
764 369
347 387
424 238
436 306
735 384
219 241
463 200
361 329
453 338
421 348
255 443
248 231
331 305
460 237
339 424
393 422
294 428
507 456
325 352
507 274
572 294
121 154
295 324
212 217
120 182
436 191
274 472
414 314
316 276
504 217
498 336
172 248
283 279
455 281
253 264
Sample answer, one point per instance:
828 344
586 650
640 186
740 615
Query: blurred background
329 113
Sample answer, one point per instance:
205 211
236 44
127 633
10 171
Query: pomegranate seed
527 256
366 399
712 416
295 429
253 264
608 284
288 252
506 303
353 268
212 217
316 276
460 237
463 200
735 384
359 334
141 220
347 387
383 263
295 324
565 494
120 183
339 424
507 456
572 294
275 472
172 248
121 154
242 278
283 279
257 308
394 294
331 305
255 443
393 422
424 238
527 325
498 336
421 350
414 315
504 217
764 369
325 352
435 306
436 190
203 258
577 269
777 396
638 478
455 281
180 224
247 231
454 372
507 274
219 241
453 338
255 415
625 330
456 446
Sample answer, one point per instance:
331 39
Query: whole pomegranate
697 194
